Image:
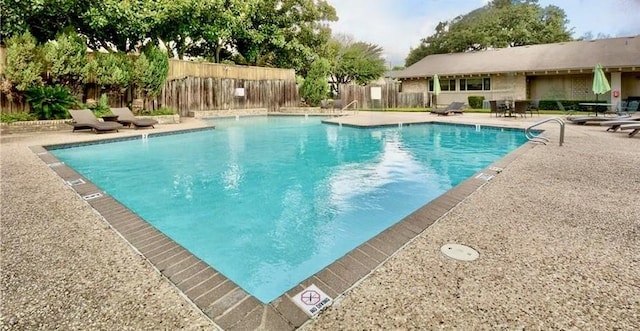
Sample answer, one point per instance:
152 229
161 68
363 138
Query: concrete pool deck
557 233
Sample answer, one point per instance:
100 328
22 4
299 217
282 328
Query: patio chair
85 120
621 107
337 105
534 105
126 118
635 127
632 107
568 110
493 105
452 108
520 108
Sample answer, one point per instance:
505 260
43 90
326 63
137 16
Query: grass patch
17 117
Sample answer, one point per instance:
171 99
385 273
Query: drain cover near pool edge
460 252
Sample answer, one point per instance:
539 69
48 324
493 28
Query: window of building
445 85
475 84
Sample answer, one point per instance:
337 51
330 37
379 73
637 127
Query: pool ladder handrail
353 102
544 140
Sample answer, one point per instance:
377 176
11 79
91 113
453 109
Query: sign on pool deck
312 300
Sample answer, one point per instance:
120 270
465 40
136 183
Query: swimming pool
269 201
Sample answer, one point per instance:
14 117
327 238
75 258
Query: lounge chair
452 108
85 120
634 127
581 120
614 125
126 118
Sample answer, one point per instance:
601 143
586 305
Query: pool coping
226 304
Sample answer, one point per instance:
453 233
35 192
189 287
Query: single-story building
559 71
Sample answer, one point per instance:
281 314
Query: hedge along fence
192 86
390 94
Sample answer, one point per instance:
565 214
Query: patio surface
557 231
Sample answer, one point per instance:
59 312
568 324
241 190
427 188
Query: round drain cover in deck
459 252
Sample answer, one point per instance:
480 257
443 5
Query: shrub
158 70
15 117
50 102
101 108
111 71
24 65
475 101
160 111
568 104
315 86
66 60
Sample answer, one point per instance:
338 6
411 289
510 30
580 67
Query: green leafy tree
66 61
24 63
315 86
223 20
125 25
501 23
43 18
179 25
357 62
283 33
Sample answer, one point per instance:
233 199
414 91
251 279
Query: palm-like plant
50 102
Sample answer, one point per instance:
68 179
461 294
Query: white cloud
390 24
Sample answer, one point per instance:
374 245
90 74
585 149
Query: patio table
593 105
110 118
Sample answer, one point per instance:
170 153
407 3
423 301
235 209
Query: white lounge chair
614 125
581 120
635 128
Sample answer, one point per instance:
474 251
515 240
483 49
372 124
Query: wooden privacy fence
390 97
196 93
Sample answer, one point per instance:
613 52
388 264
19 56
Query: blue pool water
269 201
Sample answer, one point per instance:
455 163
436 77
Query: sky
398 25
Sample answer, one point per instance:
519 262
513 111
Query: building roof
392 73
614 53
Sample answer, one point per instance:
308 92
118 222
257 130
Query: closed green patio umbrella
436 88
600 82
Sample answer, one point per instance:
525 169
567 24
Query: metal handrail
348 105
544 140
